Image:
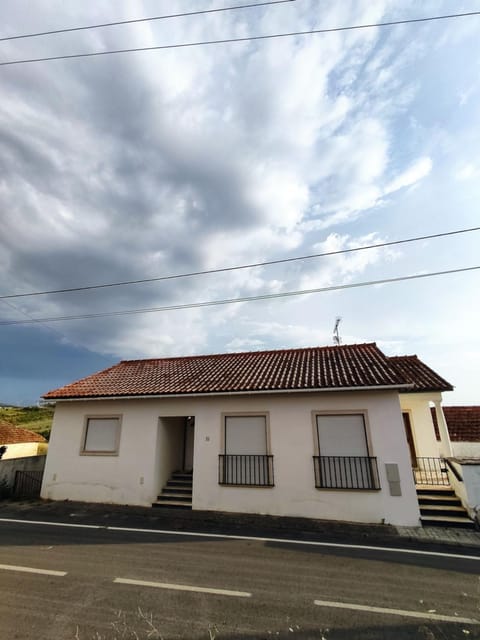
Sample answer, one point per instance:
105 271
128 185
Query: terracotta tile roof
9 434
346 366
463 423
413 370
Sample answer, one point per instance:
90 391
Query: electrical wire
239 267
244 39
27 315
137 20
212 303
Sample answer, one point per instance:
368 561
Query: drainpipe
445 445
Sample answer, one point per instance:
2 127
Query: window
246 434
342 435
246 461
102 436
344 461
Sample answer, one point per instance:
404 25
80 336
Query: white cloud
416 172
467 172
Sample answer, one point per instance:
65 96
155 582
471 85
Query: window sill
109 454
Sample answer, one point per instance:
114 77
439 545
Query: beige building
20 443
324 432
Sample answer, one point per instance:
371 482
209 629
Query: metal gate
27 484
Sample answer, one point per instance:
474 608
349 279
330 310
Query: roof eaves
389 387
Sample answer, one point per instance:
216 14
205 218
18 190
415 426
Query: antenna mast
336 335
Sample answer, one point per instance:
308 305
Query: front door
410 440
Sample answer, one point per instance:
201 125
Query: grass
38 419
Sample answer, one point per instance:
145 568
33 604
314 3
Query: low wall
466 450
468 489
9 467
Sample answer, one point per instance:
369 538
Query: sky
147 164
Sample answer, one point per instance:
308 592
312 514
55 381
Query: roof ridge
262 351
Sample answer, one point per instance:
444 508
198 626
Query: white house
323 432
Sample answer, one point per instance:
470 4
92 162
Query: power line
212 303
27 315
244 39
238 267
137 20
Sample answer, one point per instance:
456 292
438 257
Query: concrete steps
440 507
177 493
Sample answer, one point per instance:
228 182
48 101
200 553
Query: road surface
98 583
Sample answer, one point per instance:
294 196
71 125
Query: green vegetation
38 419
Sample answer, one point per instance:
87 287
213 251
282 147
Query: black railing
27 484
431 471
250 470
346 472
454 470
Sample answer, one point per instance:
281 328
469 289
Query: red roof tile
9 434
413 370
346 366
463 423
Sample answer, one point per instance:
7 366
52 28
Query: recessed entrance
175 442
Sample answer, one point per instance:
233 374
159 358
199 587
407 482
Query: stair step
180 483
185 491
435 491
443 511
440 500
447 521
175 496
172 504
182 475
442 507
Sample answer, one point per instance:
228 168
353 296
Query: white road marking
45 572
224 536
184 587
395 612
309 543
55 524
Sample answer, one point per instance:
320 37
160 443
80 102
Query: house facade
318 433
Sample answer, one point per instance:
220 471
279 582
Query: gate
432 471
27 484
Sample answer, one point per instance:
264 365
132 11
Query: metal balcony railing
249 470
346 472
431 471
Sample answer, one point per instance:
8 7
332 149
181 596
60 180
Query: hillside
38 419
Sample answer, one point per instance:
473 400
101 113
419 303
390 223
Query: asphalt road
121 585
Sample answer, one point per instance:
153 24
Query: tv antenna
336 335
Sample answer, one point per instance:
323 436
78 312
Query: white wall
132 477
127 478
468 490
418 406
466 449
471 480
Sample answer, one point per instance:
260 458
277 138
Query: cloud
416 172
163 163
467 172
